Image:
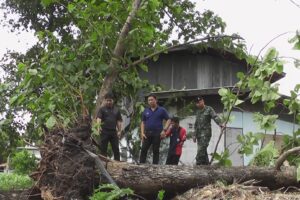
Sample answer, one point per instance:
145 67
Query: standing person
177 137
203 129
110 120
152 127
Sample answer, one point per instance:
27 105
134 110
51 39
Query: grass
11 181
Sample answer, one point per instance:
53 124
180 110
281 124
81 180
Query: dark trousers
172 159
112 137
154 140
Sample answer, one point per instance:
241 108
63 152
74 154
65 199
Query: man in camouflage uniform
203 129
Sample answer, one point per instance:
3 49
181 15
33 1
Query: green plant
110 192
265 157
248 141
223 158
23 162
14 181
160 195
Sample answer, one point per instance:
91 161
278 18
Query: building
185 73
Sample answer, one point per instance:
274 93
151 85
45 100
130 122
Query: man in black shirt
110 120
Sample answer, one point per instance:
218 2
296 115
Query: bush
265 157
14 181
23 162
110 192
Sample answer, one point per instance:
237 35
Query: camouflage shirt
203 118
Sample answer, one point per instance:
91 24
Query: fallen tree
68 170
149 179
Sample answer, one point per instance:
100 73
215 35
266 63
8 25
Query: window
191 126
233 145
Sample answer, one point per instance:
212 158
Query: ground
239 192
217 191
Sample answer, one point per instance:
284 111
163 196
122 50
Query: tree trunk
149 179
118 52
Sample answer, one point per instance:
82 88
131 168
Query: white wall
242 120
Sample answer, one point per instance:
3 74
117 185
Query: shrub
14 181
110 192
23 162
265 157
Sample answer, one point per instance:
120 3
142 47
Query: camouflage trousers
203 137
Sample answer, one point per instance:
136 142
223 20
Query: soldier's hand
194 139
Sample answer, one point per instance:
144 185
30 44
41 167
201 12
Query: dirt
31 194
66 171
238 192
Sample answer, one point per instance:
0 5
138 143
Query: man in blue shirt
152 127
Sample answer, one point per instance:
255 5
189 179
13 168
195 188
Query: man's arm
119 124
119 128
143 136
167 125
215 117
98 121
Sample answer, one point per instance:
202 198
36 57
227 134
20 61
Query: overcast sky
257 21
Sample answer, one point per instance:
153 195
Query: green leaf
32 72
21 67
51 122
71 7
279 68
217 156
51 107
144 67
227 163
240 75
13 99
238 102
46 3
270 55
222 92
160 195
154 4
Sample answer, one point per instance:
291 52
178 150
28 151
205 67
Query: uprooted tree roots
66 171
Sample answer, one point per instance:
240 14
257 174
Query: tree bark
118 52
147 180
284 156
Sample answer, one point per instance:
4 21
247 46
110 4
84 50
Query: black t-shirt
109 117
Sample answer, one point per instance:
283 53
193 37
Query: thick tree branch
118 52
283 157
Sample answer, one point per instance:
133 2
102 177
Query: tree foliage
258 82
58 79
